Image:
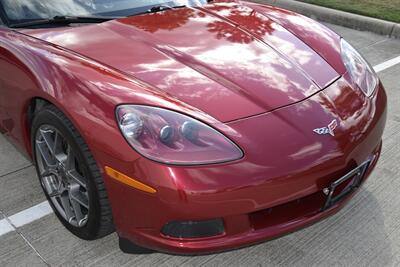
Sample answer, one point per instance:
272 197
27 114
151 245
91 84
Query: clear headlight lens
173 138
361 72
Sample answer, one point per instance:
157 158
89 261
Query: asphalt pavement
365 233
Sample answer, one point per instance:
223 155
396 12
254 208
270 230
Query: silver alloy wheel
61 175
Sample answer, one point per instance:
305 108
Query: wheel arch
33 105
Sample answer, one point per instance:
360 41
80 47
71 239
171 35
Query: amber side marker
128 180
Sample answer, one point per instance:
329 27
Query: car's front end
213 126
300 163
282 183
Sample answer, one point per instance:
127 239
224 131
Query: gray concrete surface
338 17
365 233
12 203
10 159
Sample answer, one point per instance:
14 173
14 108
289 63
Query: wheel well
34 106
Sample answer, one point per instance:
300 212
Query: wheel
69 175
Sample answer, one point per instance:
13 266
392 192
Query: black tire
99 218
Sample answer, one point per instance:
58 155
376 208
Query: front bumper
275 189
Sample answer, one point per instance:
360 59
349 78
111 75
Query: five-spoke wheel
69 175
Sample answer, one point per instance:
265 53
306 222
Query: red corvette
186 126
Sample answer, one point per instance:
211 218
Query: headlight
173 138
361 72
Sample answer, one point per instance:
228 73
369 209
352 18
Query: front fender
86 91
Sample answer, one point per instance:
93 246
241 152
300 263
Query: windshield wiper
159 8
63 20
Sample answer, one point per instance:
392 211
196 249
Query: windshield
20 11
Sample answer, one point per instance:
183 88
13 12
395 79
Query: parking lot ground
365 232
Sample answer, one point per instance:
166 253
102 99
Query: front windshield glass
20 11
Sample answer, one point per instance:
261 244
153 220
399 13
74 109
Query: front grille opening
289 212
194 229
299 209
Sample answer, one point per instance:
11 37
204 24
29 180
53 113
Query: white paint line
30 215
5 227
24 217
387 64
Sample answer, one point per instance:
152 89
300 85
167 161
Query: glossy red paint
207 57
255 73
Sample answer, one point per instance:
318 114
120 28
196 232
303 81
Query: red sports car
186 126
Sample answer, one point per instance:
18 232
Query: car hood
225 58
